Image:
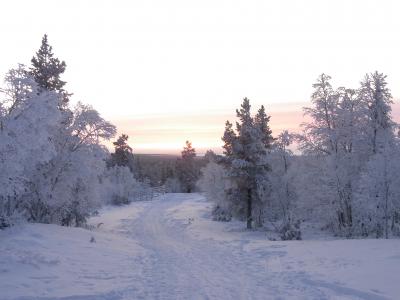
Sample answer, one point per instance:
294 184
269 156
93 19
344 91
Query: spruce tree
262 121
210 156
188 153
122 155
229 139
245 159
188 172
47 69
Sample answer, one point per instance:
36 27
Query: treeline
345 176
53 165
171 173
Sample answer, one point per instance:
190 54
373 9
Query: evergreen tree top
228 139
188 151
122 155
262 121
47 69
244 114
121 144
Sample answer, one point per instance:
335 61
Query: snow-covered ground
170 249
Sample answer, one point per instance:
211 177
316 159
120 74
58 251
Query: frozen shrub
219 214
290 231
120 187
173 185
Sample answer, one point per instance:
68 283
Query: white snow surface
170 248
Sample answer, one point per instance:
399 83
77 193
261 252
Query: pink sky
167 71
167 133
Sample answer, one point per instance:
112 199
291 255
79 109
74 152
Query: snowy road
182 267
191 259
170 249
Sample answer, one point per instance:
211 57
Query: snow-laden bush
9 212
75 192
213 183
120 187
220 214
173 185
290 231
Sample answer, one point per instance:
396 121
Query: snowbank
41 260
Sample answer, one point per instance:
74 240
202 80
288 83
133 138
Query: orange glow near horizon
166 134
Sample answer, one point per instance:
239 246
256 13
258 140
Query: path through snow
170 249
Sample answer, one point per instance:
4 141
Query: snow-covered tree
121 187
348 128
318 136
19 87
229 138
336 132
377 207
47 69
378 99
213 183
186 167
173 185
282 208
247 168
210 156
52 160
26 132
262 121
79 160
50 168
280 161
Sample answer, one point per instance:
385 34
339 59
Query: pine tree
188 173
229 139
245 160
188 152
122 155
47 69
210 156
262 120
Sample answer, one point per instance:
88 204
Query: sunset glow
168 133
186 68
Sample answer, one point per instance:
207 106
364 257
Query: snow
170 248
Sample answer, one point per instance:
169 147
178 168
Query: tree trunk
386 201
386 211
249 209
